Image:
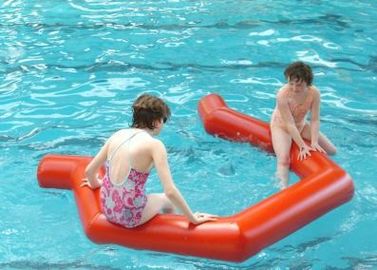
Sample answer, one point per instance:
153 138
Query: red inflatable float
323 186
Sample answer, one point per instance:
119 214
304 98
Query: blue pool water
69 71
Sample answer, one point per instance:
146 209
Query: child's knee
331 151
168 210
168 206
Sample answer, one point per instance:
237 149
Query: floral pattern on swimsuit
124 203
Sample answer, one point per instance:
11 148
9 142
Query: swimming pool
70 70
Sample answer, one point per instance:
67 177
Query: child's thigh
281 141
155 204
306 132
323 141
326 144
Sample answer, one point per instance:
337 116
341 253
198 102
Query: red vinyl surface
323 186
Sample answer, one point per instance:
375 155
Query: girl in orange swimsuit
288 122
129 155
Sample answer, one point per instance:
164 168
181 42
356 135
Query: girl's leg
281 142
156 203
323 141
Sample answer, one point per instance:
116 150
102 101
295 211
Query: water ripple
40 264
69 71
334 20
329 19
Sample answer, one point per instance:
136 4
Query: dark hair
147 109
299 71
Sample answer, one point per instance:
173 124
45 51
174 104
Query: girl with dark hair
129 155
288 122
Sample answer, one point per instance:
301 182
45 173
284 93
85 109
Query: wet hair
299 71
147 109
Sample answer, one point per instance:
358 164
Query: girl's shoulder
314 92
146 139
313 88
119 134
282 92
153 146
154 142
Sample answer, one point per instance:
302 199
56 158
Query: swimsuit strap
114 152
121 144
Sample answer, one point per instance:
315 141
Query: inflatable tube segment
323 187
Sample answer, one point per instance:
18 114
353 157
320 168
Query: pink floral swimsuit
124 203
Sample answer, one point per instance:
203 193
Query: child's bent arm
93 167
315 122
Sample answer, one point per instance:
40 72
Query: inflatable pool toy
323 186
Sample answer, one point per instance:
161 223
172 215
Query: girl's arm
91 170
315 122
159 156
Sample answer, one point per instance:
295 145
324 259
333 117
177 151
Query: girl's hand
317 147
86 182
203 217
304 152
